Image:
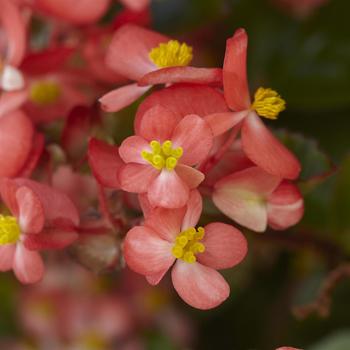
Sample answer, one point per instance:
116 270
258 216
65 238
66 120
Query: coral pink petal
77 12
131 148
117 99
8 189
171 75
199 286
168 191
31 213
158 123
135 5
14 26
146 253
195 137
155 279
7 253
27 265
242 197
16 134
105 163
166 222
225 246
263 149
222 122
10 101
285 206
193 211
145 205
128 52
235 72
191 176
137 178
184 99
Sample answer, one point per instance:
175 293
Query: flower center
171 54
162 155
268 103
187 244
9 230
45 92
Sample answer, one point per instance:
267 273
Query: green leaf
336 341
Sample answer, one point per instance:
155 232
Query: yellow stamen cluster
171 54
187 244
163 155
9 230
268 103
45 92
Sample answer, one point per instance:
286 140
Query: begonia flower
41 218
159 158
169 238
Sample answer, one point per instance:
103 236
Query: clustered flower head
199 140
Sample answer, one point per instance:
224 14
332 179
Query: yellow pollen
187 245
268 103
171 54
9 230
45 92
162 155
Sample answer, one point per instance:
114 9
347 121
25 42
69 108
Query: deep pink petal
27 265
193 211
171 75
117 99
158 123
191 176
31 212
235 72
263 149
131 148
195 137
199 286
285 206
225 246
8 189
146 253
105 163
166 222
128 52
168 190
222 122
7 253
135 5
137 177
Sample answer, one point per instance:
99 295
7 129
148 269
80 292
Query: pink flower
159 158
42 218
300 8
259 144
169 236
255 199
150 58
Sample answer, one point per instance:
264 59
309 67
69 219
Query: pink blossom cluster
199 146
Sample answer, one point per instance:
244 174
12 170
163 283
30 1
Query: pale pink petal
285 206
222 122
166 222
131 148
235 72
135 5
146 253
145 205
10 101
158 123
155 279
7 252
225 246
128 52
105 163
8 189
11 79
193 211
117 99
27 265
191 176
195 137
199 286
263 149
137 178
168 191
172 75
31 213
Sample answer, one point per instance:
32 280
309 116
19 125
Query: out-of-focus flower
300 8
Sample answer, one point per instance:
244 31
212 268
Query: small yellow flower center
45 92
268 103
162 155
171 54
9 230
187 244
